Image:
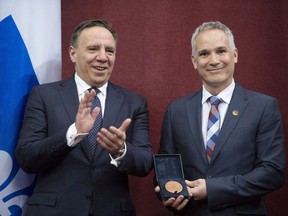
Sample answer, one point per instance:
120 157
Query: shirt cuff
72 137
117 161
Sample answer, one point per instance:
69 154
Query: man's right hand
85 118
177 204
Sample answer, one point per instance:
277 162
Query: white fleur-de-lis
19 182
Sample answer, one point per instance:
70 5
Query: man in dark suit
247 158
55 141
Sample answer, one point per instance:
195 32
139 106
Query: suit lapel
69 96
235 110
114 102
193 109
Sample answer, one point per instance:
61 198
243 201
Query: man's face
214 60
94 56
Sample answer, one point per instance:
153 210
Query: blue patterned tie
213 126
97 125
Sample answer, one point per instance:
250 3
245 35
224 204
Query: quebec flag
30 54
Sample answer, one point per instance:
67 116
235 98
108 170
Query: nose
101 55
214 59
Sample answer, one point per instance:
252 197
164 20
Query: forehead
96 34
211 39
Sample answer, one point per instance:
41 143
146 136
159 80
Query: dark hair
91 23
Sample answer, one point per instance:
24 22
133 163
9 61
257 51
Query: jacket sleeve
138 160
39 149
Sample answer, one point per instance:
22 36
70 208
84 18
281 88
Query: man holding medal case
232 158
169 175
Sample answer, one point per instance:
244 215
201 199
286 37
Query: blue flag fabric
17 77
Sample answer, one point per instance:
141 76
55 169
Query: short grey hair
211 26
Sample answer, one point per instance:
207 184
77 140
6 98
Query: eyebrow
108 47
202 51
217 48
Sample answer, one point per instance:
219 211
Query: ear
72 53
193 59
236 55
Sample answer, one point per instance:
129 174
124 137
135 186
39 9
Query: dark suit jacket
66 177
249 157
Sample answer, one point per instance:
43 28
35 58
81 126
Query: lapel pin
235 112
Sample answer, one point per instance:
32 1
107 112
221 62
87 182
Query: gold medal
173 187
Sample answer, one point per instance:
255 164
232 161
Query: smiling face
214 60
94 55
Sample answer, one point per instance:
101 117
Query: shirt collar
82 86
225 94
